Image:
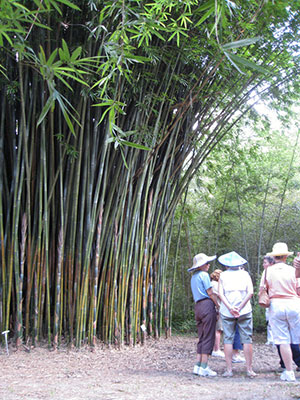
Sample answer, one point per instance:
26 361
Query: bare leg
286 354
228 356
248 352
217 341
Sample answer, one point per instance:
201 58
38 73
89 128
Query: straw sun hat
201 259
232 260
280 249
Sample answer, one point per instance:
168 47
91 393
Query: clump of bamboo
103 124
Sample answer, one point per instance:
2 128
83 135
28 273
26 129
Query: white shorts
284 319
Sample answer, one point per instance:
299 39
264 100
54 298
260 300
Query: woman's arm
248 296
245 301
296 264
213 296
262 282
233 310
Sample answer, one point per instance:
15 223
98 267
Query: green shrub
184 324
259 319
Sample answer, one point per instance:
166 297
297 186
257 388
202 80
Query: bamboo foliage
105 120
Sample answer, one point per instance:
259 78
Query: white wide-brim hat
280 249
232 260
201 259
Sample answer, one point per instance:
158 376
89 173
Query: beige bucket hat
201 259
280 249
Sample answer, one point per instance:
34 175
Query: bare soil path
159 370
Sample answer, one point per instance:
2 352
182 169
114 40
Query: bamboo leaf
241 43
134 145
69 4
76 53
234 59
49 104
65 114
58 75
74 77
210 12
51 58
3 32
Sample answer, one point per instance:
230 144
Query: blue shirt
200 282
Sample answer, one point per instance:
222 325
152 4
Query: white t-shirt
236 285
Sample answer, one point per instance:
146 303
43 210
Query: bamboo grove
107 110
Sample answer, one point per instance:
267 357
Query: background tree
246 199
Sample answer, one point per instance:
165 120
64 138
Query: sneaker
218 353
227 374
288 376
251 374
207 372
196 370
238 359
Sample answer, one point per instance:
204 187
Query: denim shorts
245 327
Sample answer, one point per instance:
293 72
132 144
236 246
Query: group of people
230 304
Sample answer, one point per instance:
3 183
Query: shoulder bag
263 298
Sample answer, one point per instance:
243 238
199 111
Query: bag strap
265 281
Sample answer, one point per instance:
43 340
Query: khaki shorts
284 319
245 326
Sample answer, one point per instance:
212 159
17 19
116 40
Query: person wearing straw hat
206 309
235 292
284 314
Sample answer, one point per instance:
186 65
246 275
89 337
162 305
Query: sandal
251 374
227 374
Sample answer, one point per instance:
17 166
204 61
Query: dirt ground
159 370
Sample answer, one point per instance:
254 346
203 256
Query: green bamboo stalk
116 327
39 271
21 280
130 312
18 274
36 305
155 297
46 230
26 114
174 266
57 312
96 277
73 286
3 288
3 270
42 293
